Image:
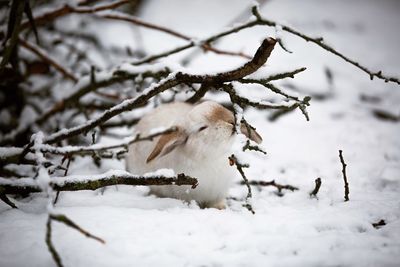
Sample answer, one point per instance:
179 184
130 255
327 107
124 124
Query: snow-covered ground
292 230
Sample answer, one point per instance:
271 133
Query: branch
68 222
379 224
234 161
283 75
270 86
92 182
320 42
68 9
172 80
346 184
119 123
42 55
106 13
89 150
249 146
259 59
134 20
11 40
280 187
243 102
50 245
65 220
5 199
83 87
317 187
262 21
273 88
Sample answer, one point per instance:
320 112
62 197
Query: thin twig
379 224
134 20
346 184
280 187
89 150
65 220
11 40
50 245
249 146
316 188
43 56
243 101
6 200
68 9
239 166
283 75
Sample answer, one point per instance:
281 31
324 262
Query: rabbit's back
163 116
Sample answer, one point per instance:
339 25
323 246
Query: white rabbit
199 148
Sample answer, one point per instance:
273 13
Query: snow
292 230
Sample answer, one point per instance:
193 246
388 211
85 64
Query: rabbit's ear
167 143
250 133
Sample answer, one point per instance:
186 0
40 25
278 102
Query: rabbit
200 148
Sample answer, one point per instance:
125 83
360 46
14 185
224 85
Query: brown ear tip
150 158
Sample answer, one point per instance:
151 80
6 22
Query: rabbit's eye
202 128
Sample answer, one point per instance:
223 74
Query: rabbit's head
208 129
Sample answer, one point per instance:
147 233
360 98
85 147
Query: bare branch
379 224
317 187
42 55
65 220
346 184
243 101
172 80
89 150
239 166
249 146
283 75
50 245
259 20
5 199
280 187
320 42
92 182
68 9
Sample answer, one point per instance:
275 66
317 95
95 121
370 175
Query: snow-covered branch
24 186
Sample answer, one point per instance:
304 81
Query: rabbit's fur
200 148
